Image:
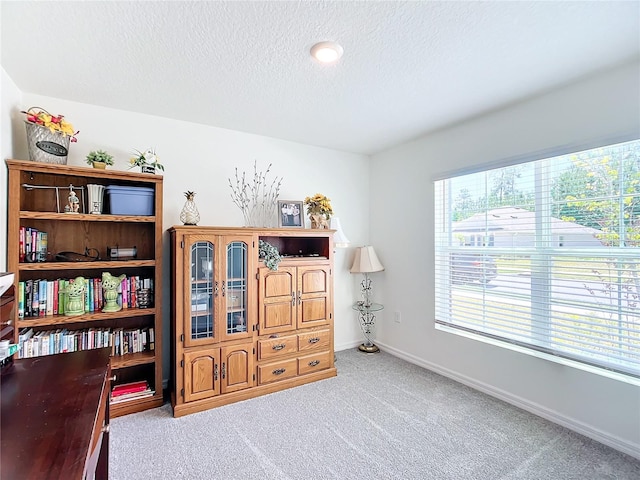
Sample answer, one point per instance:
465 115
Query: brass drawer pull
279 346
279 371
314 363
314 340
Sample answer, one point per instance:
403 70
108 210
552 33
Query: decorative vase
75 297
189 214
99 165
318 221
96 194
110 285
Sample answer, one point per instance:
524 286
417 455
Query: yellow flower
319 205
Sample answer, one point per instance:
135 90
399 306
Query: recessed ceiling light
326 52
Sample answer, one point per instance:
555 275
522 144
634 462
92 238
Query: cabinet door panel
237 368
237 299
313 280
201 374
313 311
313 296
277 302
201 289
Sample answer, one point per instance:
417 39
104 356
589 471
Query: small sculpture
110 288
75 292
74 202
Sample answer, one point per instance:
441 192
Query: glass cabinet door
203 289
235 293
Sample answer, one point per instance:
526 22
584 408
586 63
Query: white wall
10 98
202 159
604 107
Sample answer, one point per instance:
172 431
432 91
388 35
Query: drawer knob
279 371
113 378
314 363
105 429
279 346
314 340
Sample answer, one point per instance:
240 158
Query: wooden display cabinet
37 195
240 330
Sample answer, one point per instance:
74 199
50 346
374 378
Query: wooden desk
55 417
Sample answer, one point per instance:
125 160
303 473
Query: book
20 299
42 298
132 387
50 297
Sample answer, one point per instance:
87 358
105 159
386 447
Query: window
545 255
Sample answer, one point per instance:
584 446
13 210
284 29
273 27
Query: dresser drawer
314 362
318 340
272 347
277 371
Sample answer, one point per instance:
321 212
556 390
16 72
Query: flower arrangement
258 200
319 205
148 158
270 254
55 123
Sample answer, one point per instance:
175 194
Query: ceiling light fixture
326 52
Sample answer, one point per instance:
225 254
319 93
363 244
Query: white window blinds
545 255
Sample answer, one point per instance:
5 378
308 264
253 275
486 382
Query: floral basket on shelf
48 136
147 161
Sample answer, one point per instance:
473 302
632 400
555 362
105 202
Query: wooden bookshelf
40 208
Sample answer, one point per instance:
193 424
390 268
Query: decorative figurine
74 202
110 287
75 292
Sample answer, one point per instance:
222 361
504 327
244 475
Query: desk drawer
274 372
273 347
314 362
318 340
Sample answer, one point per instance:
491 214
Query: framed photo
290 214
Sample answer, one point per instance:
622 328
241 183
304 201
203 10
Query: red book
129 388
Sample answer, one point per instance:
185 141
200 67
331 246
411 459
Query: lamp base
369 348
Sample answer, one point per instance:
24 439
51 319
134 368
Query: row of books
122 341
131 391
32 244
41 297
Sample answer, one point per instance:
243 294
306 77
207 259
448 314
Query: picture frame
290 214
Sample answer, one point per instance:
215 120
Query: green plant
270 254
99 156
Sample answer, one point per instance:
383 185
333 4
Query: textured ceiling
408 67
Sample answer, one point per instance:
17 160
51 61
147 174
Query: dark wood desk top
49 411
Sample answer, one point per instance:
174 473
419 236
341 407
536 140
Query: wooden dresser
55 417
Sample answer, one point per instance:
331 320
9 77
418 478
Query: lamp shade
366 261
340 240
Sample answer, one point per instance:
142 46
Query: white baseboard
619 444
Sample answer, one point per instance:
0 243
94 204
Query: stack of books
131 391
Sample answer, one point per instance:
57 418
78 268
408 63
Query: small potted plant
147 161
99 159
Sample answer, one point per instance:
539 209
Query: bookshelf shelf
84 217
86 318
35 191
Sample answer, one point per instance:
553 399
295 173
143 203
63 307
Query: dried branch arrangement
257 200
